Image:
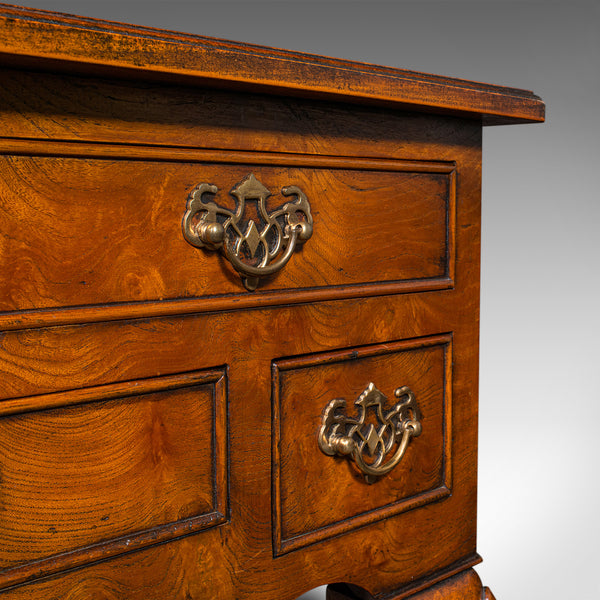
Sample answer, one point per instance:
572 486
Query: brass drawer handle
367 444
254 250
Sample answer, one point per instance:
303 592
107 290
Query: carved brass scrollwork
255 250
370 445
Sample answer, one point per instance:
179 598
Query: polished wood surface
340 501
464 586
141 454
143 255
37 37
158 421
487 594
69 108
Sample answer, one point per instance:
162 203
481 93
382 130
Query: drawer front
91 231
319 493
97 472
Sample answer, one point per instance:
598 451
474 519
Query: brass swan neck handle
254 250
369 446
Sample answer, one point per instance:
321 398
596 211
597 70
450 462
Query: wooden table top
31 38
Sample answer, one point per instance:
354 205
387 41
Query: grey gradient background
539 488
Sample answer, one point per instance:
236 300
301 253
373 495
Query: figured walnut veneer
303 386
158 420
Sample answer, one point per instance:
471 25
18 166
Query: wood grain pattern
102 473
466 585
230 560
340 499
487 594
143 443
76 250
59 358
55 359
102 352
61 107
87 45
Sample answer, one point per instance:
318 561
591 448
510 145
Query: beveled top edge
51 40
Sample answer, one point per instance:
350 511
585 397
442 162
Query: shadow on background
315 594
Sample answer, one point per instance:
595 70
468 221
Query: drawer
96 472
84 231
319 495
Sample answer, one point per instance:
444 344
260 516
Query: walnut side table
239 318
